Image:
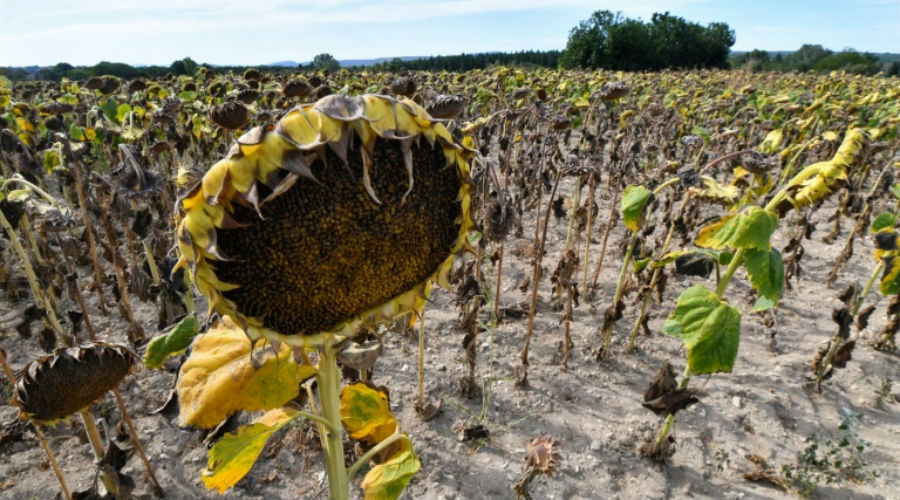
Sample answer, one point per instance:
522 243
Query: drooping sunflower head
340 215
56 386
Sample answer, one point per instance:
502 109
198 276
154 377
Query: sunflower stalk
612 314
592 187
76 291
25 226
645 303
861 222
329 381
606 332
132 432
420 404
733 266
41 299
136 333
536 280
611 221
92 246
495 310
151 262
99 449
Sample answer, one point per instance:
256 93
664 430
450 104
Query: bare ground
593 410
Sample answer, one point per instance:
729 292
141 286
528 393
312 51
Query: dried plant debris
542 457
663 397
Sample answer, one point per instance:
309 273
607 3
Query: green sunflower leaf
766 271
122 112
710 328
883 221
634 200
175 342
76 132
751 228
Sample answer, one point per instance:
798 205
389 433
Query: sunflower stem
92 246
41 299
93 434
157 489
137 333
539 248
837 340
329 379
378 448
592 187
420 405
670 419
496 308
151 262
52 458
653 280
611 221
606 334
576 199
25 223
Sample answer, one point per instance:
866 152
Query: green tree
588 41
806 57
325 62
608 40
121 70
186 66
894 69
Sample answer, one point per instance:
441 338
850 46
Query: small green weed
830 460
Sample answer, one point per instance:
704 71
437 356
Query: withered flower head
231 115
446 107
543 454
56 386
342 214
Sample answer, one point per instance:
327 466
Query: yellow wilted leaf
366 413
626 115
711 189
219 379
24 124
772 141
232 457
387 480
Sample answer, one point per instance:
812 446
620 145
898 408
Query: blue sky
85 32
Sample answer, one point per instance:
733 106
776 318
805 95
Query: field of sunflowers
504 283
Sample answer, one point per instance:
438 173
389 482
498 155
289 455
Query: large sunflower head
341 215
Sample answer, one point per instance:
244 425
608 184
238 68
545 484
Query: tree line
817 58
466 62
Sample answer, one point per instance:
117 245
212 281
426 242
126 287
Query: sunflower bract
340 215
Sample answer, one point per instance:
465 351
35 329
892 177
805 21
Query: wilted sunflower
341 215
